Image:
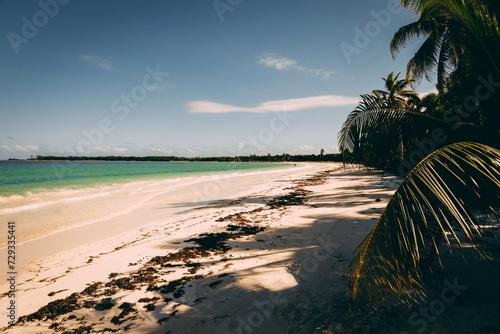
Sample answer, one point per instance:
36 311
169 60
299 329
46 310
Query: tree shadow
307 261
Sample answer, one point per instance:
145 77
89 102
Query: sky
191 77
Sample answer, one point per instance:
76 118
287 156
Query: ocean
45 197
24 177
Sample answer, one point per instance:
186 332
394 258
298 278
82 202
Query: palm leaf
424 60
448 188
480 19
447 59
407 33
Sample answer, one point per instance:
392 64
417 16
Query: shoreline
163 205
94 195
119 179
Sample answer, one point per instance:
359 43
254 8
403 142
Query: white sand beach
263 252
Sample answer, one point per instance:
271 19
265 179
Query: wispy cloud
307 148
154 87
209 107
101 150
270 60
433 91
287 64
19 148
162 151
104 63
25 148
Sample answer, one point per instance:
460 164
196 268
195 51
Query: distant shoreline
332 157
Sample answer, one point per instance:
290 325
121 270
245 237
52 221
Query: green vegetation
322 157
445 144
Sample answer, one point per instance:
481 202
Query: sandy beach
260 253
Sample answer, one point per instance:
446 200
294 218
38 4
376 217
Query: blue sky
190 77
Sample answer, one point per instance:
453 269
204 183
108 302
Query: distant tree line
251 158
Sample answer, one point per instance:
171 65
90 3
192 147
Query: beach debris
55 292
126 308
296 197
54 309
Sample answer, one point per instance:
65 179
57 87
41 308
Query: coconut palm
367 120
373 133
462 42
396 93
459 36
456 184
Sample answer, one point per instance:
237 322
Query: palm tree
457 36
456 184
397 96
462 42
396 93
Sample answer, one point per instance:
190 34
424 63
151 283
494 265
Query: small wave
43 204
4 199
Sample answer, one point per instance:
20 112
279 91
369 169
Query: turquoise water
20 177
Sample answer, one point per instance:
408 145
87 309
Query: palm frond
447 189
425 60
411 31
414 5
447 59
481 21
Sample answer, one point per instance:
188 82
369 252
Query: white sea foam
40 205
